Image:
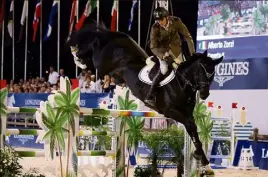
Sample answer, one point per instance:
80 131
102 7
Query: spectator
42 90
53 76
62 74
81 78
93 78
88 86
112 84
54 87
106 84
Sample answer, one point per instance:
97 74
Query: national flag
203 45
210 104
72 17
24 15
134 5
10 20
37 15
234 105
114 16
2 10
90 6
53 13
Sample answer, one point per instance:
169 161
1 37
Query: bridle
197 84
207 74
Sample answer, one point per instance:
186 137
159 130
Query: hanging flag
210 104
134 5
114 16
234 105
2 13
10 20
37 15
72 17
90 6
24 15
53 13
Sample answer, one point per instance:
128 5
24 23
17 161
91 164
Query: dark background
185 9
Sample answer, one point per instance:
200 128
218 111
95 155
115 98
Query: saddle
155 64
149 71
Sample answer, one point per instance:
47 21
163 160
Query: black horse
118 52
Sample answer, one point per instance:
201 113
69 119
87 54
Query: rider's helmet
160 13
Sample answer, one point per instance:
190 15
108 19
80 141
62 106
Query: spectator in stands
106 84
112 84
53 76
88 86
54 87
42 90
82 77
62 74
93 78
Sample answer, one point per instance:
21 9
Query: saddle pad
144 76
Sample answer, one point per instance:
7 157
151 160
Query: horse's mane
190 61
93 26
81 36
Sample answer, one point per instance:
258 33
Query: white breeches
163 66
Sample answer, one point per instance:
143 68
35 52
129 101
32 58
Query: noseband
207 74
197 84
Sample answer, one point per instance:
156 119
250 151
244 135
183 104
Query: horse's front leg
191 129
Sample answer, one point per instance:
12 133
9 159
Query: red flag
72 17
114 16
234 105
2 13
3 84
90 6
37 15
210 104
75 83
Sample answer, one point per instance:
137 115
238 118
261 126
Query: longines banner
33 100
241 74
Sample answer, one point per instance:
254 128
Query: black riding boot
150 99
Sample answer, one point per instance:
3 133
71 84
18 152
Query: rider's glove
167 58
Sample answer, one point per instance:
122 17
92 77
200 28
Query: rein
194 86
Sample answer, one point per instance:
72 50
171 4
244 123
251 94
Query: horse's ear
217 61
205 53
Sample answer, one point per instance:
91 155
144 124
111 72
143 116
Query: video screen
236 29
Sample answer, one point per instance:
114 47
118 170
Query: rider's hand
177 60
167 58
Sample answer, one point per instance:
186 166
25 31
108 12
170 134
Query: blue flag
53 13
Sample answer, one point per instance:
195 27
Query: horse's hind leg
191 128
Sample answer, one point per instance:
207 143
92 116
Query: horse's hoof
207 172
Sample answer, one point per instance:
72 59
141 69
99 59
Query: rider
165 43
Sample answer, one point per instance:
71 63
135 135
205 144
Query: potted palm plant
175 142
124 104
204 123
134 134
67 102
3 114
155 142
